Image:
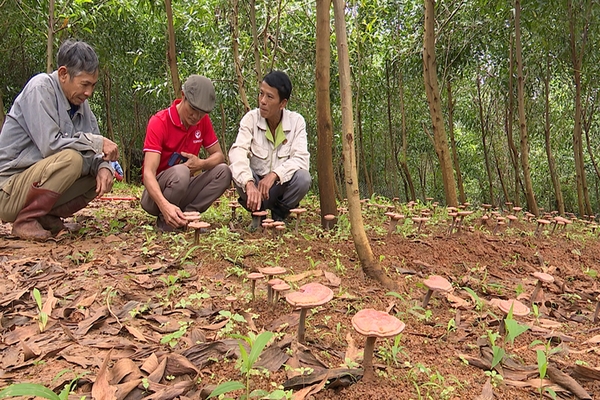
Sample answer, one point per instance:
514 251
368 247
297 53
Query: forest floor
135 314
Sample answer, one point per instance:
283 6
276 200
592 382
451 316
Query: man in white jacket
270 159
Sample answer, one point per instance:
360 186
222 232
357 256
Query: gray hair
77 57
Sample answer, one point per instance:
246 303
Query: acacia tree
529 194
323 109
433 100
369 264
49 43
171 52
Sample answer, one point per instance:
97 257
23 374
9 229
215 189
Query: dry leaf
101 389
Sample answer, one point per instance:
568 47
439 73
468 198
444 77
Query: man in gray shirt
53 160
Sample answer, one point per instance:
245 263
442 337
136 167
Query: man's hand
266 184
194 163
253 200
104 181
110 150
173 216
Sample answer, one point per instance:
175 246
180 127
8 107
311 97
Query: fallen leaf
101 389
333 279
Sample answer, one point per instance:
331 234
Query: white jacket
252 151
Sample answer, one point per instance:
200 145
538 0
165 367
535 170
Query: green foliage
42 316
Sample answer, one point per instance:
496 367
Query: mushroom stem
369 374
253 287
596 312
502 327
538 286
427 297
197 236
301 325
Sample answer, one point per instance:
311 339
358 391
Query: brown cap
310 295
438 283
272 271
199 225
519 309
544 277
200 92
369 322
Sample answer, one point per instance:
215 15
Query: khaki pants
59 173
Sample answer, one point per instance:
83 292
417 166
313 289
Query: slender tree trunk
500 173
2 115
486 150
255 49
560 204
369 264
389 146
50 43
324 124
514 153
171 52
236 54
223 130
433 99
363 152
107 86
587 125
577 55
459 181
410 194
277 33
531 203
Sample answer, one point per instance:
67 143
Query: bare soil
135 313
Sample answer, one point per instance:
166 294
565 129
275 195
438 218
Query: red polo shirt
166 135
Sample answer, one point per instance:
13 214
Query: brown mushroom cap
519 309
275 281
198 225
298 210
259 213
543 221
191 215
255 276
281 287
438 283
272 271
517 209
329 217
544 277
370 322
310 295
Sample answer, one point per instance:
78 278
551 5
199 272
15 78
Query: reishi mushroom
257 217
306 297
374 324
254 276
541 277
435 283
298 213
197 226
328 218
270 272
518 310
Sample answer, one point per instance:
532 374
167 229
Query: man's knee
67 163
301 180
222 174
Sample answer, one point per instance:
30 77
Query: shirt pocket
259 151
284 150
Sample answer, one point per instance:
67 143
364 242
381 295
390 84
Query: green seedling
498 352
543 356
513 328
37 390
173 338
42 316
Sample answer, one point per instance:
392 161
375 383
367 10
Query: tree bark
560 204
255 49
50 42
433 100
410 193
459 181
171 52
370 265
235 46
324 124
514 153
577 54
107 87
531 202
486 150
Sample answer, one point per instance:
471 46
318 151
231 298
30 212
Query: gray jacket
38 125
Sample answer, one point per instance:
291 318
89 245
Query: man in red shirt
175 178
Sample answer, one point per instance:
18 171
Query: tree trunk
324 124
50 42
560 204
370 265
223 130
171 52
410 193
255 49
433 100
486 150
235 46
514 153
277 32
368 180
583 201
531 203
461 189
107 87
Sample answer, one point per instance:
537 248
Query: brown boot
53 221
37 204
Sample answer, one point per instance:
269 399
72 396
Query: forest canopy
479 74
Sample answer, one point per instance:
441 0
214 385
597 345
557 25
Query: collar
285 121
62 98
174 115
